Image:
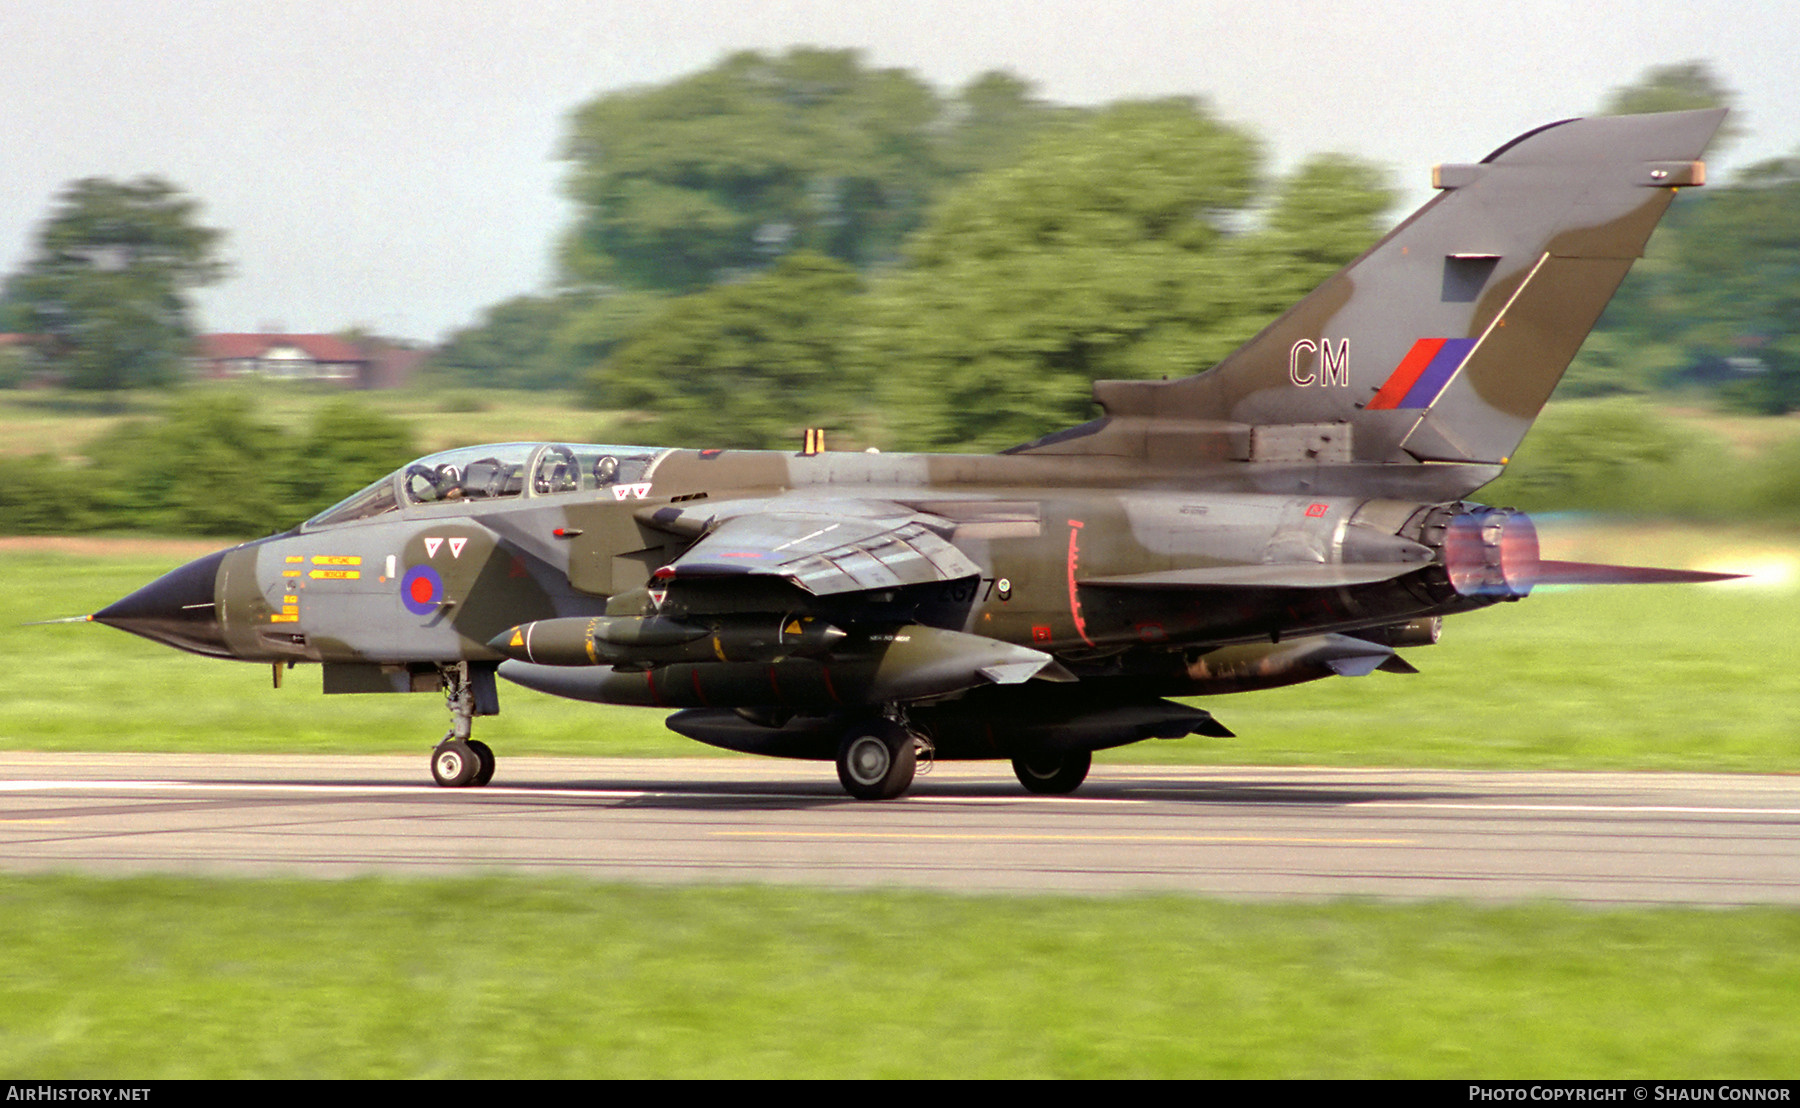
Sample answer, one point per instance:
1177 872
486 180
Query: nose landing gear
456 763
459 761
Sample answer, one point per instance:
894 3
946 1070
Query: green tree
1721 282
511 347
346 446
1614 362
993 120
1638 344
1619 455
749 364
595 328
45 495
1325 213
541 342
206 467
725 170
15 364
715 176
109 281
1112 249
1738 256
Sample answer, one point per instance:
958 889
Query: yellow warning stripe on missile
286 617
293 573
336 560
335 574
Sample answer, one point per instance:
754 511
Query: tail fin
1443 341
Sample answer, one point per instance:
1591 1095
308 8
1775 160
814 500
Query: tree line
795 239
792 240
207 465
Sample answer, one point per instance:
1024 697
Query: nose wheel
459 761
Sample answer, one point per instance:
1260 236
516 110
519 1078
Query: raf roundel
421 590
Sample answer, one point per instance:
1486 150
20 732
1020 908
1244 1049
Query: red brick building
371 364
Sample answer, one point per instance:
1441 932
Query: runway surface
1601 838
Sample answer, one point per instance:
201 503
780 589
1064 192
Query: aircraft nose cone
176 609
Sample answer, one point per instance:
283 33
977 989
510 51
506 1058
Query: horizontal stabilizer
1296 575
1397 664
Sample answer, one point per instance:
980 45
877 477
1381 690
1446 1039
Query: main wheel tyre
1053 774
875 761
484 760
454 765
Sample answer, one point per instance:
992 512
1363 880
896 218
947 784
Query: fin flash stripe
1422 374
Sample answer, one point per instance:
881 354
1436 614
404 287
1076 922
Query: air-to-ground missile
659 640
905 663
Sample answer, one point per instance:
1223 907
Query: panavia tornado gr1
1295 512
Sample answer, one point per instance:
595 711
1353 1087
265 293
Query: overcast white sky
393 165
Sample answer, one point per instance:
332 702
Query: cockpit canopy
478 473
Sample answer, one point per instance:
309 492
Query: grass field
504 977
1660 677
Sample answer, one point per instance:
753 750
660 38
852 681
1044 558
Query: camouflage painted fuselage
436 583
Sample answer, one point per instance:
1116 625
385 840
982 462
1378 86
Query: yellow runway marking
948 836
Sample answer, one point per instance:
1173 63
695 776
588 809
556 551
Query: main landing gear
1053 774
458 760
876 759
877 756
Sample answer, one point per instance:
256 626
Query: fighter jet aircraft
1292 513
